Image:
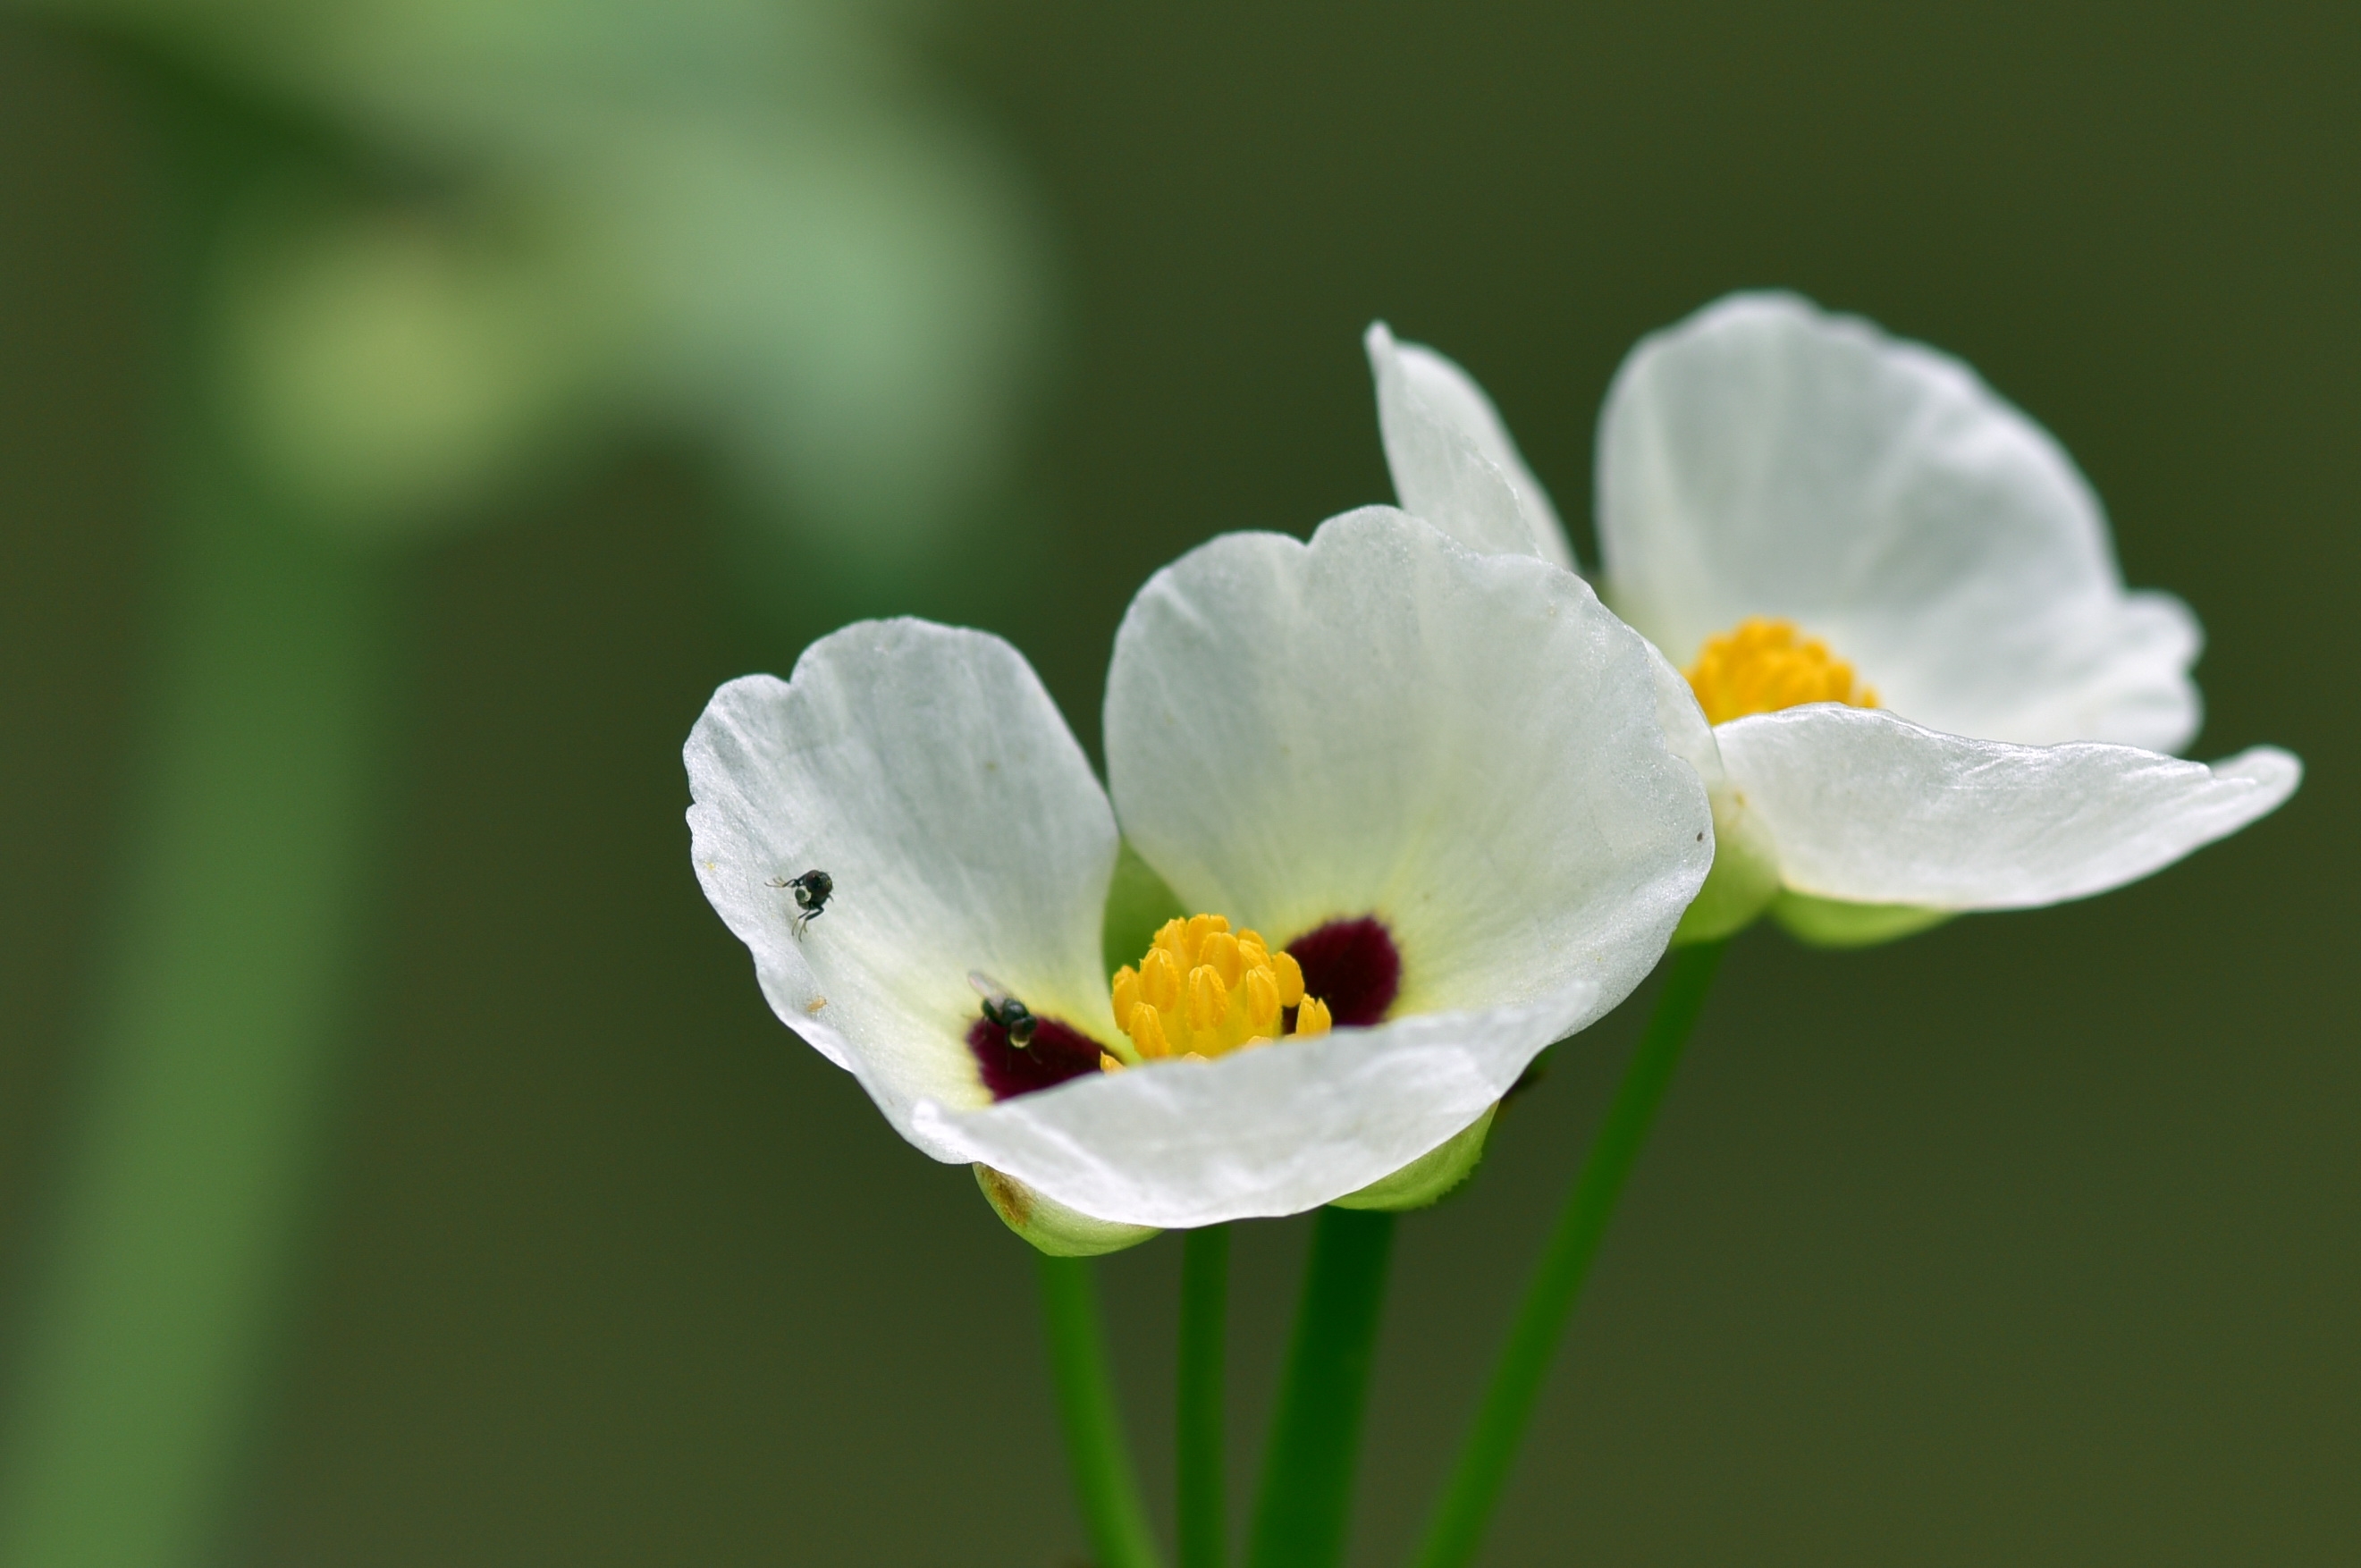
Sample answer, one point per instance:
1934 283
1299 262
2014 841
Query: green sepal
1138 904
1833 923
1049 1224
1743 882
1432 1175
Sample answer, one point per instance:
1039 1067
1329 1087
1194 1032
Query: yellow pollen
1222 956
1203 990
1262 994
1765 665
1290 979
1209 1001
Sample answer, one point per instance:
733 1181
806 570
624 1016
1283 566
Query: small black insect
811 889
1004 1010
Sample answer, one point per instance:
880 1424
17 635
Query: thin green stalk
1205 1306
1485 1459
1103 1482
162 1274
1305 1506
183 1185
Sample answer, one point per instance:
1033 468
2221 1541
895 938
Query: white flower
1929 691
1417 756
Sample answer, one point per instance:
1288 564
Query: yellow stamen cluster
1202 992
1763 666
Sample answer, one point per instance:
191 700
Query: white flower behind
1929 691
1380 732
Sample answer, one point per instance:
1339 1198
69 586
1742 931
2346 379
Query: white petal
1453 461
1765 458
925 770
1272 1131
1866 808
1380 722
1687 734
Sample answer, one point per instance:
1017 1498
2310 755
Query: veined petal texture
1379 723
1765 458
1868 808
1453 461
925 769
1267 1132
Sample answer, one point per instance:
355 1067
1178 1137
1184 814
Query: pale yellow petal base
1833 923
1432 1175
1051 1226
1744 879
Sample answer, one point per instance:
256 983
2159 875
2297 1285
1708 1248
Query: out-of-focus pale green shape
422 254
143 1333
739 222
383 368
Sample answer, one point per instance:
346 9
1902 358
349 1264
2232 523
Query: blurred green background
2031 1240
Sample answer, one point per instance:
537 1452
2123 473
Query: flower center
1203 990
1765 665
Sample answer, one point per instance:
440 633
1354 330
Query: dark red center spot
1056 1054
1351 965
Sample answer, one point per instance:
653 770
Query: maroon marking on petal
1056 1054
1351 965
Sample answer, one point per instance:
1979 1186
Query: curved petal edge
1868 808
926 771
1453 461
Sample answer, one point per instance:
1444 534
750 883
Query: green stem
161 1281
1204 1303
1103 1482
184 1183
1305 1508
1485 1459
